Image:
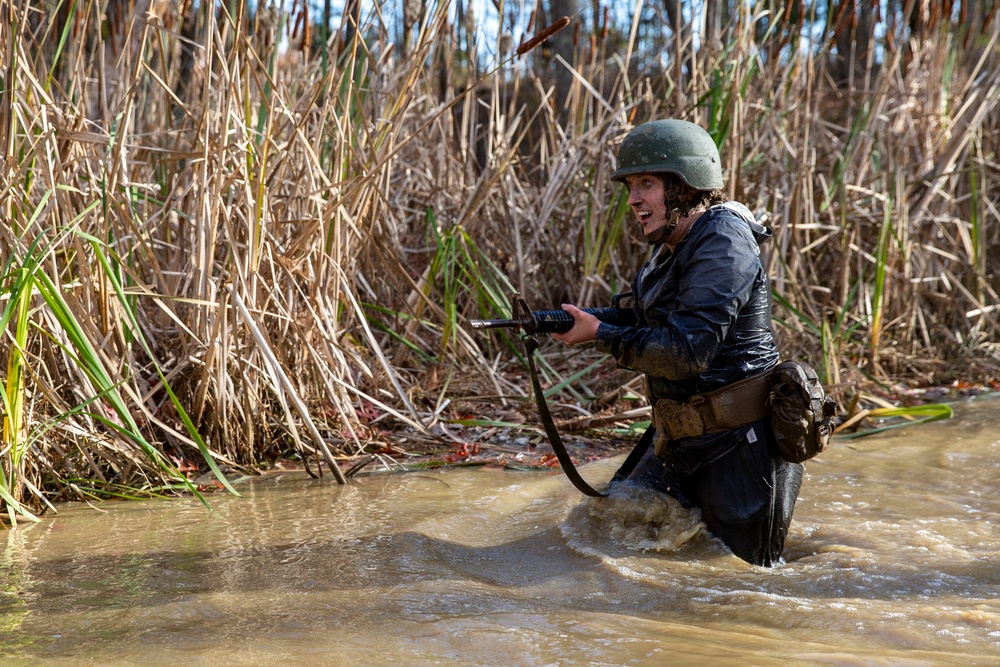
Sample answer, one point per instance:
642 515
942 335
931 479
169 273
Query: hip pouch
801 412
742 402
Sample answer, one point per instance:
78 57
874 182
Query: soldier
703 308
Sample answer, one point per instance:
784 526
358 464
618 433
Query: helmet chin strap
663 233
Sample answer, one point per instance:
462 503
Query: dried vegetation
227 239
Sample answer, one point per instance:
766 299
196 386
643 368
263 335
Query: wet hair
681 198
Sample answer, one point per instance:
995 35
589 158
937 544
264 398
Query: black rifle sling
530 345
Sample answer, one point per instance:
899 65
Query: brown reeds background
229 234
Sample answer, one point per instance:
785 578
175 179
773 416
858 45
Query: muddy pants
745 491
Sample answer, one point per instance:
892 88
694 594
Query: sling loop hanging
530 345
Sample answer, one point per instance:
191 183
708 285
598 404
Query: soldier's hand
584 327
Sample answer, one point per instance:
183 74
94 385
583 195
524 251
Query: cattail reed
543 35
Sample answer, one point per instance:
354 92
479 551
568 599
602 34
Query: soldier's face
647 198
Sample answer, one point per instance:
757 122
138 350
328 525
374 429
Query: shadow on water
84 581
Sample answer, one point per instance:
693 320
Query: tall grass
222 244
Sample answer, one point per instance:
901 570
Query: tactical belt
728 407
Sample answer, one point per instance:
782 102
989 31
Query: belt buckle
705 408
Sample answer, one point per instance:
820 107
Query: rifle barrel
493 324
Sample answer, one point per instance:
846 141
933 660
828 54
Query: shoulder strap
530 345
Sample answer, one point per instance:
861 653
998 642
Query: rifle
555 321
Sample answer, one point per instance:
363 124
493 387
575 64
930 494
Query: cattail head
550 30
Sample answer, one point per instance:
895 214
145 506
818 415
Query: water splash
637 518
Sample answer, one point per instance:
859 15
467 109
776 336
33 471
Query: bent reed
227 237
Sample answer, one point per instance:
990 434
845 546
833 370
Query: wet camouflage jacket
703 311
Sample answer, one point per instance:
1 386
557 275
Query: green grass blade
930 412
181 412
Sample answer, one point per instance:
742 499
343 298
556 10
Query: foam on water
637 518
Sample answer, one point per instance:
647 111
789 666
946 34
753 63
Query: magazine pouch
801 412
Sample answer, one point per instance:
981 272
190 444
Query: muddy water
893 559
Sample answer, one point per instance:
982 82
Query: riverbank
514 439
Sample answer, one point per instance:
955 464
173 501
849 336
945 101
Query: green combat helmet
674 146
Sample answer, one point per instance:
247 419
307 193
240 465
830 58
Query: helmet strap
663 233
674 232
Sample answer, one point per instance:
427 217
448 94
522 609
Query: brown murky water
893 559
